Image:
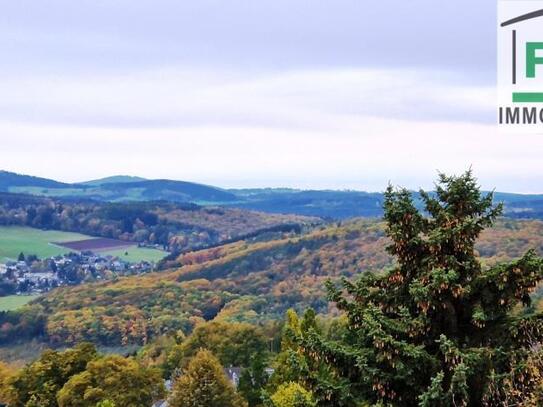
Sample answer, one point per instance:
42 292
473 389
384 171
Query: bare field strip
97 244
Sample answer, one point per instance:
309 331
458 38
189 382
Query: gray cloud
295 99
91 35
346 93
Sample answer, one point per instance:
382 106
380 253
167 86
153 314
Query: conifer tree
292 365
438 329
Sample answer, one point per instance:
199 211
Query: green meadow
12 302
135 254
16 239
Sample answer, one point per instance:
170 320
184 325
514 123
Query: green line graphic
527 97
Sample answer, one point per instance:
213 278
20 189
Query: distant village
31 275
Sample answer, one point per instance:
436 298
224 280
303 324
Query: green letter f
531 60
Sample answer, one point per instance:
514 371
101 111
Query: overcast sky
311 94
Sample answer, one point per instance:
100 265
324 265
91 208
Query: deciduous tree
117 379
234 344
292 395
37 384
6 391
204 384
253 381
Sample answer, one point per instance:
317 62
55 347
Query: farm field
135 254
99 244
46 243
12 302
17 239
128 251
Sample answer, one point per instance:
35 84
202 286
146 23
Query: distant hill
348 204
163 189
114 179
328 204
116 189
11 179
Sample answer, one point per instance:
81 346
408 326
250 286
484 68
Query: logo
520 63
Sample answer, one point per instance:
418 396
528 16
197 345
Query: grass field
12 302
136 254
128 194
15 239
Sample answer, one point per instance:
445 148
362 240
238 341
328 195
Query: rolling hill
325 204
328 204
249 280
173 226
113 179
116 189
9 180
176 191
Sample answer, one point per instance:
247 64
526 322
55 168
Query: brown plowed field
95 244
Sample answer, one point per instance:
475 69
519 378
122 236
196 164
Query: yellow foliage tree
6 391
204 384
292 395
119 380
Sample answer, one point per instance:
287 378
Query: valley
270 204
248 280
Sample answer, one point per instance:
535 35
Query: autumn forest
435 304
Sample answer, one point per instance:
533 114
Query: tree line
176 227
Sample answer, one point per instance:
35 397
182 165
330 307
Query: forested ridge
250 281
328 204
174 226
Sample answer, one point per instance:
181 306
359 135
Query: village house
37 276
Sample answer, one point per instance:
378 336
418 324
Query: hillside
115 189
114 179
326 204
243 281
9 180
176 191
175 227
330 204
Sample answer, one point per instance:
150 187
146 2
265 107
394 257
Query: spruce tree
439 328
